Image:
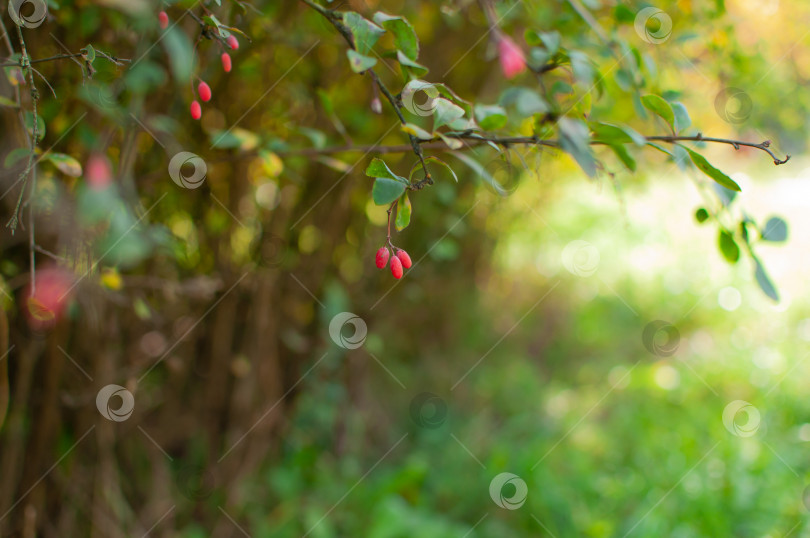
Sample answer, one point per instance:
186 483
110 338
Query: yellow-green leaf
403 212
704 166
65 163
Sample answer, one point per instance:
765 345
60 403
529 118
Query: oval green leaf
704 166
386 191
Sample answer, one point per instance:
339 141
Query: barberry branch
335 20
473 140
28 172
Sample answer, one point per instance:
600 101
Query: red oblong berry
204 90
232 42
226 62
196 110
404 258
396 267
382 257
163 19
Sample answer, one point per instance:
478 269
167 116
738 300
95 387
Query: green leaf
490 117
744 229
575 140
416 131
233 138
5 101
624 156
551 40
452 143
532 37
364 32
181 56
479 169
445 112
326 101
65 163
90 52
660 148
378 169
211 20
582 67
622 134
701 215
704 166
403 213
659 106
334 164
726 195
386 191
728 247
415 68
405 39
527 102
775 230
29 124
359 62
225 33
16 155
681 157
682 119
418 166
764 281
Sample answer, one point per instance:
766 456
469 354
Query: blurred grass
610 439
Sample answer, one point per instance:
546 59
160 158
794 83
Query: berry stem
390 212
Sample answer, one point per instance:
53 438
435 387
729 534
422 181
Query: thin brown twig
477 140
72 55
34 97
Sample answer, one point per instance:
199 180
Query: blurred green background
509 347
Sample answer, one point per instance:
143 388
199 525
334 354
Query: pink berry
404 258
204 90
226 62
163 19
98 172
382 257
513 62
196 110
396 267
45 306
232 42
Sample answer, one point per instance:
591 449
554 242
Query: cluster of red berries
400 260
203 89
